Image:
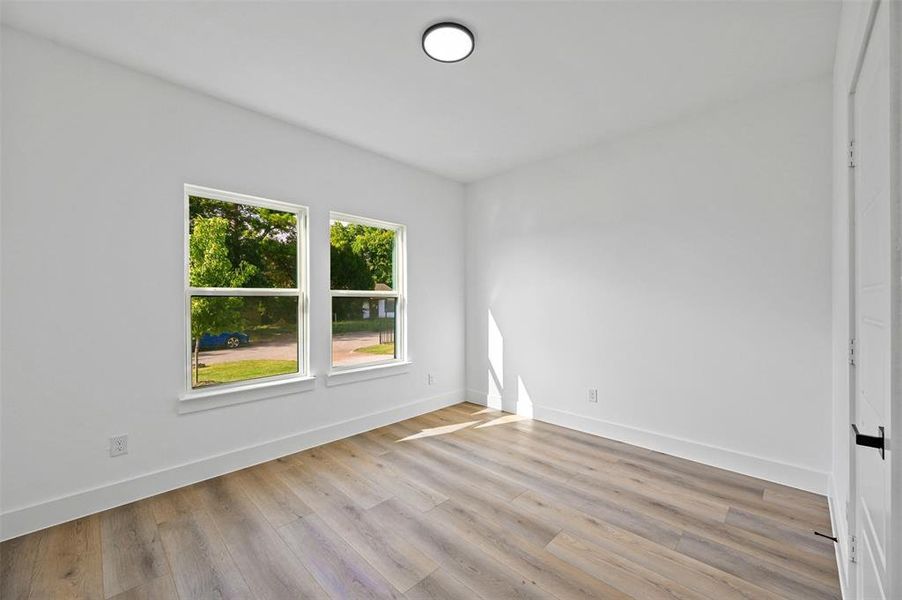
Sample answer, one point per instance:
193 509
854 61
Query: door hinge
852 351
852 154
853 549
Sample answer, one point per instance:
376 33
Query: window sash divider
365 294
203 291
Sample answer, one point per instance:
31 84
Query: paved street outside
344 344
343 350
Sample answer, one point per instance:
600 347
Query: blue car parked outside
209 341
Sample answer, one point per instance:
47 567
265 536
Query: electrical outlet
593 394
430 379
118 445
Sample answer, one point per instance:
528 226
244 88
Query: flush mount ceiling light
448 42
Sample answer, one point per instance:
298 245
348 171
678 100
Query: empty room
476 300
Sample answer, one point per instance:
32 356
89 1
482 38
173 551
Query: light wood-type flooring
464 502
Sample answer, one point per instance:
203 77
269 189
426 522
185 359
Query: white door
872 286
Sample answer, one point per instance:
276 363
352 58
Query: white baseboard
24 520
783 473
483 399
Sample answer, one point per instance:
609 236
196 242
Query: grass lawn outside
378 349
244 369
363 325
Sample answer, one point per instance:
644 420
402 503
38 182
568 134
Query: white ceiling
546 77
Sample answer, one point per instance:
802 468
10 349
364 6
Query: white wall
684 272
94 160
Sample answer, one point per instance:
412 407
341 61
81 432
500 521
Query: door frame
895 150
895 441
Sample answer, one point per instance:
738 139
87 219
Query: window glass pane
237 245
363 331
362 257
235 338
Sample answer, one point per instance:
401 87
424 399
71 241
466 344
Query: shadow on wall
495 390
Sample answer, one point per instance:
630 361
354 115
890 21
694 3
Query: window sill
197 400
354 375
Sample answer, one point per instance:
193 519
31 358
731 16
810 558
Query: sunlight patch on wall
524 402
496 364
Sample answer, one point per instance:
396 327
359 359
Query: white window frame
263 387
399 293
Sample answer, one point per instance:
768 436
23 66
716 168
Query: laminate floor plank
269 567
161 588
172 505
440 586
450 473
502 509
771 551
275 500
714 474
133 552
466 502
372 443
729 491
464 561
660 507
505 459
580 516
363 491
68 564
18 558
630 578
675 566
534 563
584 442
517 477
752 500
401 563
375 468
766 575
339 570
201 564
791 498
532 471
519 445
797 537
660 491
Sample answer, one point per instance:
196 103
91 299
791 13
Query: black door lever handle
871 441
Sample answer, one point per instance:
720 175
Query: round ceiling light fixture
448 42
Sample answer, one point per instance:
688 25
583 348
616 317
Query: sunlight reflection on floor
502 420
433 431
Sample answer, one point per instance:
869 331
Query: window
368 292
245 292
